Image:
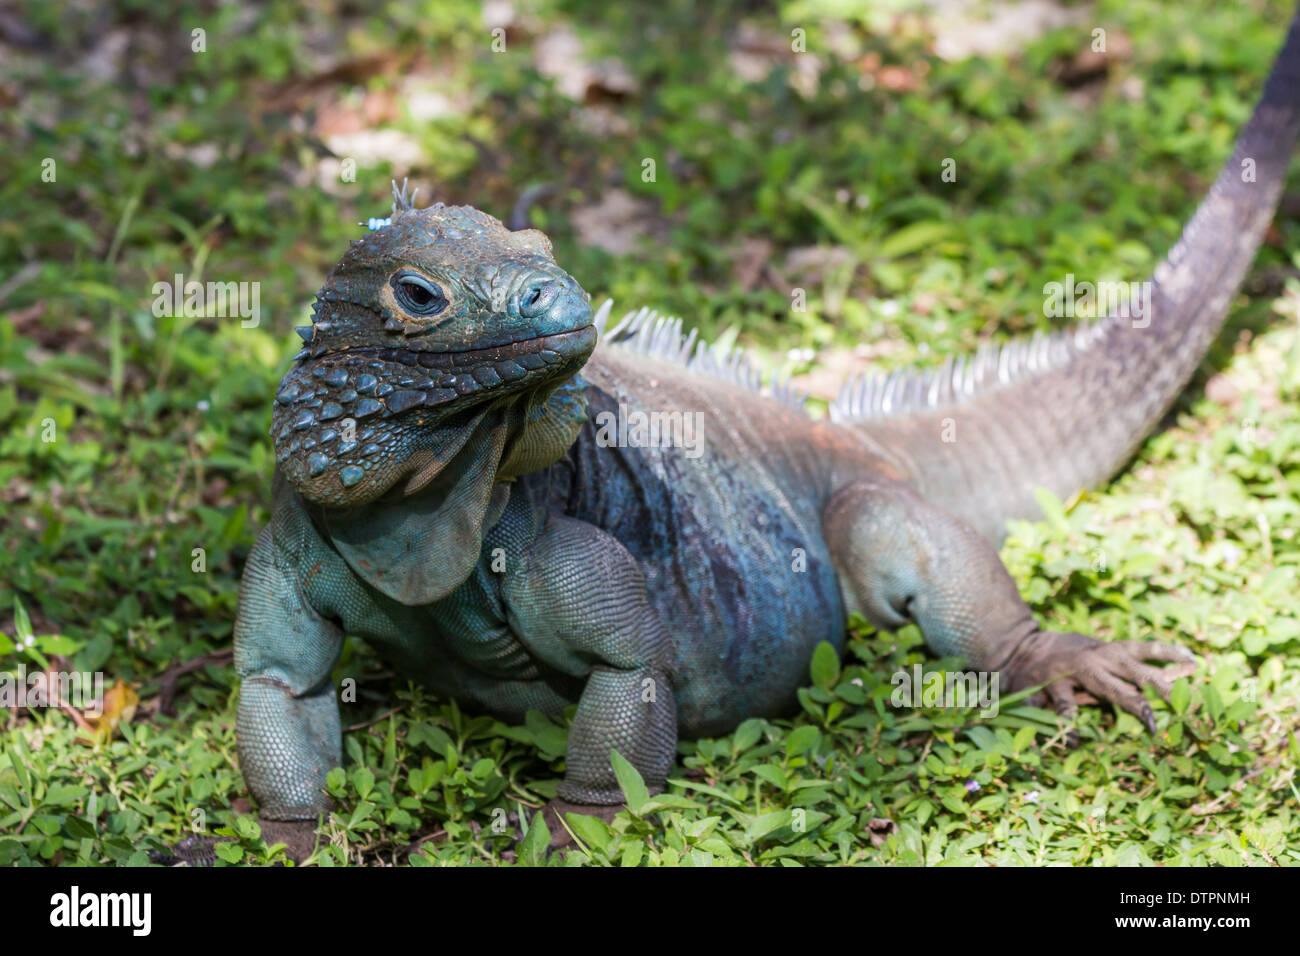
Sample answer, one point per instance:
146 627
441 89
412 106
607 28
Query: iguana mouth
496 364
340 418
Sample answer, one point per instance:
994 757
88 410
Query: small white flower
1031 796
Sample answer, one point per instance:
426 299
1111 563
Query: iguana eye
417 295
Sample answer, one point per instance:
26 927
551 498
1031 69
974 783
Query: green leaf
364 780
78 828
230 852
10 796
22 623
1024 738
629 781
19 759
825 666
669 801
912 238
632 854
767 823
747 734
335 780
1179 696
592 831
924 810
1130 854
801 739
705 788
532 849
58 644
549 738
431 736
772 774
1052 508
95 654
1138 565
955 804
1213 702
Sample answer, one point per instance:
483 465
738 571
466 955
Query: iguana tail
1066 411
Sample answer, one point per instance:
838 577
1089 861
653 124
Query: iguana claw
298 837
1066 665
189 851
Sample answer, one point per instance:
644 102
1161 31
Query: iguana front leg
907 561
577 600
297 599
288 720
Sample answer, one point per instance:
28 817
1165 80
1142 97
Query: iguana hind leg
902 560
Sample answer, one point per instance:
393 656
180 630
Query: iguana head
438 336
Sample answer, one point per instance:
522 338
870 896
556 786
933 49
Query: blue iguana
449 488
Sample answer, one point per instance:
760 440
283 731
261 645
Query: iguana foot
298 837
1067 664
553 814
192 850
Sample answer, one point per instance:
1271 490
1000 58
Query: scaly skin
479 533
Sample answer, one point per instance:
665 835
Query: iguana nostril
539 298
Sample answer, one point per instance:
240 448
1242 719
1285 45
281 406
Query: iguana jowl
442 492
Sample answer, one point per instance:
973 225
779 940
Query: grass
124 536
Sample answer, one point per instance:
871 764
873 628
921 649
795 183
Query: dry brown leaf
117 706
